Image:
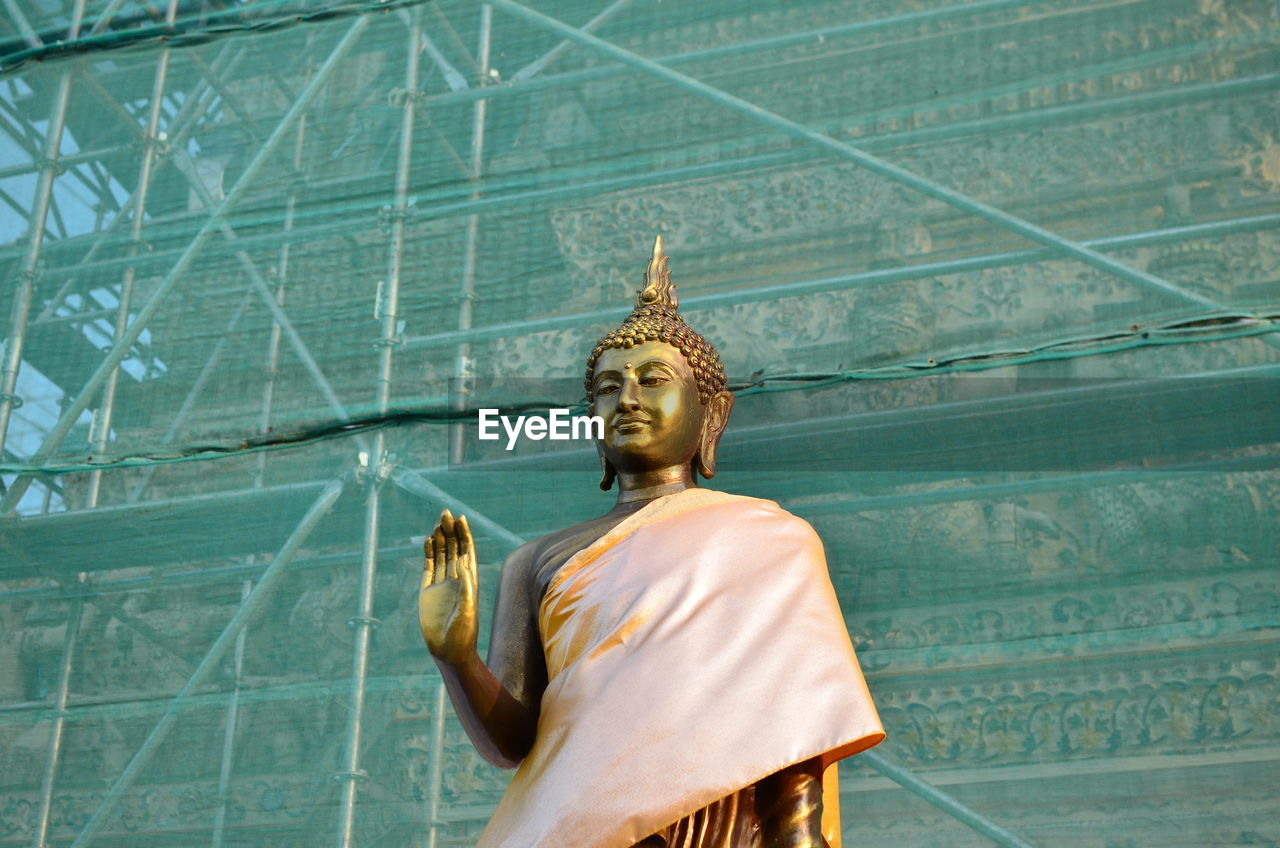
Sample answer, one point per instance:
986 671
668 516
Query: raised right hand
447 597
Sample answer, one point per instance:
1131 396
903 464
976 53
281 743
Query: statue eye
606 388
653 379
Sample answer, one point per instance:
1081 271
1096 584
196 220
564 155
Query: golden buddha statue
675 673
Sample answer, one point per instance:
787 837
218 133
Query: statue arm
497 702
790 807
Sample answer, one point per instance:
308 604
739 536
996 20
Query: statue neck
646 485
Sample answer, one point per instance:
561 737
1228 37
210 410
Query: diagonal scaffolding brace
259 285
540 64
273 352
212 660
947 803
419 486
120 349
179 128
859 157
197 387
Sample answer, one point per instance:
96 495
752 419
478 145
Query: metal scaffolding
376 465
48 165
470 80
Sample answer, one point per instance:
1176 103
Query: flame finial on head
657 290
655 319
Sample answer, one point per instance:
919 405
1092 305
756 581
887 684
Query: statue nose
628 396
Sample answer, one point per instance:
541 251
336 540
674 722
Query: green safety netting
996 284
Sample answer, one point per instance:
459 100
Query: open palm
447 596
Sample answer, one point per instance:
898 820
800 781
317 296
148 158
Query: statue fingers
440 573
451 552
428 562
465 542
467 568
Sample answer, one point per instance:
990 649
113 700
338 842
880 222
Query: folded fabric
691 651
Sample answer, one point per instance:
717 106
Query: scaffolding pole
127 121
246 181
116 610
452 77
105 16
272 363
462 372
363 623
106 412
435 788
388 310
243 616
229 97
41 202
259 480
947 803
229 732
462 376
53 753
13 204
67 161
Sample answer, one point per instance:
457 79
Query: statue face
648 398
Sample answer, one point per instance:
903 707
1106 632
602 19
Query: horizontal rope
1197 331
264 16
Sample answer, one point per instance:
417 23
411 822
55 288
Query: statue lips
630 423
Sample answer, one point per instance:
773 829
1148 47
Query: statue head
658 385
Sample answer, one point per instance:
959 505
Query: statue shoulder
538 549
541 558
523 570
753 506
769 516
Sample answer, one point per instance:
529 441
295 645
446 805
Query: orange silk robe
692 650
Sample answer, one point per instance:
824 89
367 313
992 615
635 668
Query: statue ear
607 474
712 429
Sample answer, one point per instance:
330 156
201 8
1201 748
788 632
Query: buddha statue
675 673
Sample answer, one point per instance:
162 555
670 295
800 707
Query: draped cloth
694 649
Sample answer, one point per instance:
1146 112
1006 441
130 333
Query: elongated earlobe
705 461
607 474
712 429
